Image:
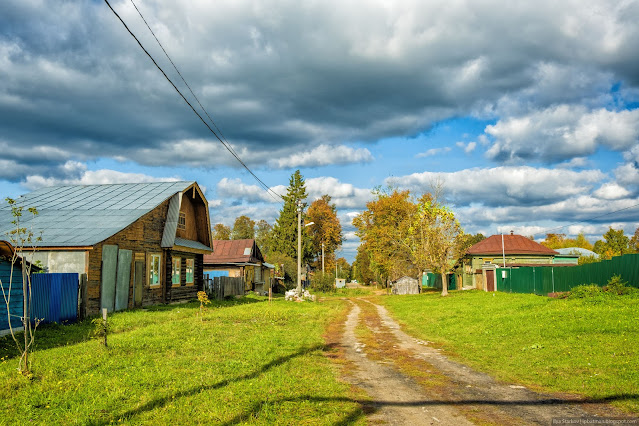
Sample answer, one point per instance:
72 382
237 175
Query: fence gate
490 280
54 297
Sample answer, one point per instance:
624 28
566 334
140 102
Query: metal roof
513 244
84 215
191 244
233 251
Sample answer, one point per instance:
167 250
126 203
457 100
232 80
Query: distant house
516 250
405 285
572 255
239 258
139 244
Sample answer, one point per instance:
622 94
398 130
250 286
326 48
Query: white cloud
504 185
433 151
467 147
91 177
324 155
562 132
611 191
235 189
344 195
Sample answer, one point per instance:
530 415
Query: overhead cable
226 145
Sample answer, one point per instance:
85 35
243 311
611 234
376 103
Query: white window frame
176 266
153 272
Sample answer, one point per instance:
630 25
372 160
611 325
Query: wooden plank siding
143 238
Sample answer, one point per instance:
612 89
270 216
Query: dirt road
411 383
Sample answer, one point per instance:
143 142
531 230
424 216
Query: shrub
585 290
617 286
323 282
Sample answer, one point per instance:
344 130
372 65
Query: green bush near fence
544 280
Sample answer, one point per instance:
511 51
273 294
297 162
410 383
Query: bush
617 286
323 282
585 290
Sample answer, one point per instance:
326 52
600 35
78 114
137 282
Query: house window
182 221
190 266
175 270
155 261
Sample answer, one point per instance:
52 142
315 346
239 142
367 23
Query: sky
526 112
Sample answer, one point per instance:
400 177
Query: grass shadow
159 402
368 407
53 335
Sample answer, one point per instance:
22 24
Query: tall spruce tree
285 229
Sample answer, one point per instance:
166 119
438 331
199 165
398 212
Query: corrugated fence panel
550 279
14 293
54 297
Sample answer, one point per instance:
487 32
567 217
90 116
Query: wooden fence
220 287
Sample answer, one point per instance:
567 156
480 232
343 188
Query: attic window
247 251
182 221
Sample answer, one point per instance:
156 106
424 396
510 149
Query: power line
547 231
226 145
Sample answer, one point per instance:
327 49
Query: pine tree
285 229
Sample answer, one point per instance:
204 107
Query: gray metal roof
577 250
84 215
191 244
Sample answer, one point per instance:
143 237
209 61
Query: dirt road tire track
398 398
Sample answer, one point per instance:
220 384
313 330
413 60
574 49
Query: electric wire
226 145
226 142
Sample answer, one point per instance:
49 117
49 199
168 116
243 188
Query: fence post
552 272
83 298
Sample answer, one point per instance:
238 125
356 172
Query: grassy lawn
585 346
248 361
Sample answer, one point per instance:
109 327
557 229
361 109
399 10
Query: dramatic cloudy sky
526 111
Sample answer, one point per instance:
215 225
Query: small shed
406 285
340 282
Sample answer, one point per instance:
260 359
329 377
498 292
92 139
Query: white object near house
340 282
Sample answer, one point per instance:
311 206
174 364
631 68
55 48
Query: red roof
513 244
233 251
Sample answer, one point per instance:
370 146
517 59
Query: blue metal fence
54 297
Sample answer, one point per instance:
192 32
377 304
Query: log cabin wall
143 237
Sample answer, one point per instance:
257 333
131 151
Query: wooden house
512 250
138 244
239 258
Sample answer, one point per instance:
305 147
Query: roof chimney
512 232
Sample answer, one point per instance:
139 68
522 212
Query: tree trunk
444 284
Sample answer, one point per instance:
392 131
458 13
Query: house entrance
490 280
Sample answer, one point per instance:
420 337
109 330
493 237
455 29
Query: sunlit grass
245 362
585 346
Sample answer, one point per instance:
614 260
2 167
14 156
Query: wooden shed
406 285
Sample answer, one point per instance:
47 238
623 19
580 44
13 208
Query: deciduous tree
435 238
263 236
326 230
243 228
383 228
221 232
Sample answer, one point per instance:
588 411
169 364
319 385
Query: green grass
587 346
248 361
345 292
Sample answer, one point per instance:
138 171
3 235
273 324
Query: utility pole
322 257
299 247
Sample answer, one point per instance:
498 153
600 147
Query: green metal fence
550 279
430 280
